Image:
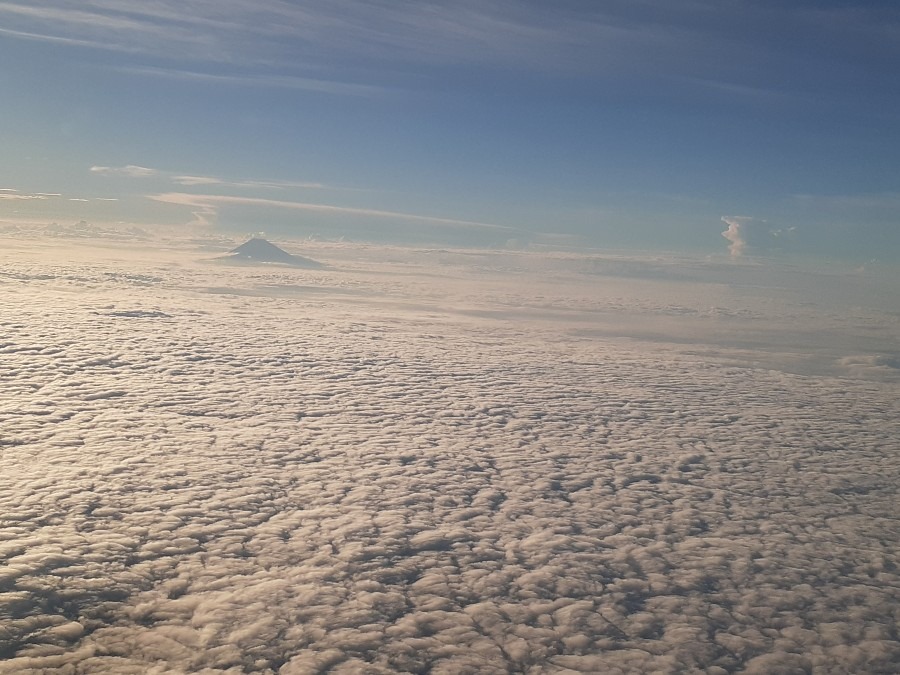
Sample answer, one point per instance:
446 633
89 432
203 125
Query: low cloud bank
223 483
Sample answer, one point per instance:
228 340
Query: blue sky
612 124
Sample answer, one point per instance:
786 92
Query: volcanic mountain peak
262 251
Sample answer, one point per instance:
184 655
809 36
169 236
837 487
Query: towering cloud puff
749 235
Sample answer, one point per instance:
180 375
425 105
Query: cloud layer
361 470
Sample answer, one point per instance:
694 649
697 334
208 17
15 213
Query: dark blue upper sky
638 124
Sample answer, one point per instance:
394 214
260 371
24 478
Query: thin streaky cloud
70 16
743 91
190 181
267 81
288 184
268 28
208 203
131 171
866 200
105 29
10 196
72 42
176 13
238 31
283 35
688 38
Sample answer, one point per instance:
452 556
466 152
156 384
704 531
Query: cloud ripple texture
286 471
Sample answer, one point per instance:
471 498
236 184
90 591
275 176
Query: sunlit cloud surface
440 461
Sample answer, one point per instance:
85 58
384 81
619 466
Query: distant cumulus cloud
735 233
752 235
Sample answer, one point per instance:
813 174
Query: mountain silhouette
257 250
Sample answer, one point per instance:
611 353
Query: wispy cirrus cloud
72 17
324 86
105 25
51 200
57 39
206 207
130 171
12 194
659 39
869 201
15 196
276 29
192 180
